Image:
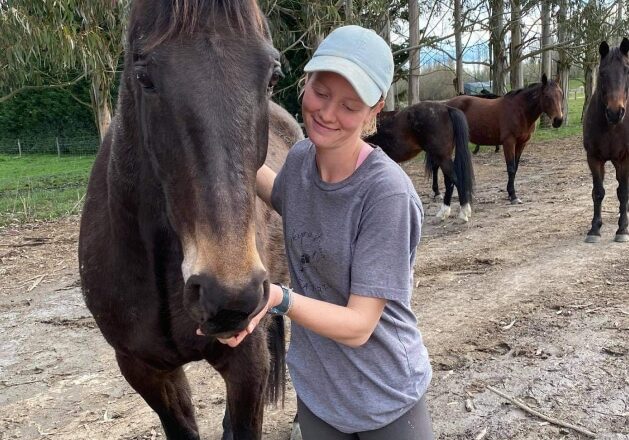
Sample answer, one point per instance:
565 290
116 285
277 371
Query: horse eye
277 74
144 79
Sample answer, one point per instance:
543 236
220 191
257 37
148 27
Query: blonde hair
369 128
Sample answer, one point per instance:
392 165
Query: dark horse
439 131
606 134
510 120
174 250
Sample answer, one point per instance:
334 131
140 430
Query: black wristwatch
287 301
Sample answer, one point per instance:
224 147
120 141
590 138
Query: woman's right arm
264 183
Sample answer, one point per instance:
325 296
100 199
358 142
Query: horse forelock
154 22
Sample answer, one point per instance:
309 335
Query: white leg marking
444 212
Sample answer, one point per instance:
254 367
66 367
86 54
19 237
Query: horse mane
531 88
157 21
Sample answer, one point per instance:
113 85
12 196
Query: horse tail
462 156
429 164
276 335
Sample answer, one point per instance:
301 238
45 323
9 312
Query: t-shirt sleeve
277 193
384 250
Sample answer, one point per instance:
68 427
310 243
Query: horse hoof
516 201
437 196
467 210
592 238
621 238
463 217
444 212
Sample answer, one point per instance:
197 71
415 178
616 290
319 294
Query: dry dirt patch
513 299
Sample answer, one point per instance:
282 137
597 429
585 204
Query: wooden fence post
58 149
19 147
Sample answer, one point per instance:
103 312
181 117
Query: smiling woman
352 221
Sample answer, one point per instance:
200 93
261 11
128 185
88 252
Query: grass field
41 187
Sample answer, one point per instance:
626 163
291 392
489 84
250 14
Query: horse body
606 134
174 250
440 131
510 120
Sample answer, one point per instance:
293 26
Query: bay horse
485 95
174 249
606 134
440 131
510 120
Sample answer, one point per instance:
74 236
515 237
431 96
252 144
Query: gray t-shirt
357 236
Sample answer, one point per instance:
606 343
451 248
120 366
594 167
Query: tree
44 42
414 36
496 40
517 75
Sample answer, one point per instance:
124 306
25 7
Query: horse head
198 73
613 80
551 100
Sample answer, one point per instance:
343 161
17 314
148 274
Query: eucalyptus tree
45 42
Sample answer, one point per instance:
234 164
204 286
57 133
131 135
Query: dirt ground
514 300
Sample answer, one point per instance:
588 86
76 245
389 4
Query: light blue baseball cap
361 56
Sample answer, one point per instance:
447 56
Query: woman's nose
326 112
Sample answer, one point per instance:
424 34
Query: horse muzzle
557 122
614 117
222 311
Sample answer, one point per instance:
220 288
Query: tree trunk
546 54
563 67
496 25
619 20
413 73
517 74
590 72
349 14
99 92
458 26
389 102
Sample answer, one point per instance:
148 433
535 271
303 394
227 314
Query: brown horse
440 131
606 134
174 250
485 95
510 120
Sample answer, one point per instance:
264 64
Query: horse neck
529 101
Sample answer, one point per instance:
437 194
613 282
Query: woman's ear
378 107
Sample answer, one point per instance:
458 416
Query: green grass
41 187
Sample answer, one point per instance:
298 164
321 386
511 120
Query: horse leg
622 176
597 169
167 392
245 370
497 150
448 178
510 160
477 149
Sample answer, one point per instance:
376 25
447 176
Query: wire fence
58 145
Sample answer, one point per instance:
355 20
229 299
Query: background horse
485 95
606 134
510 120
174 250
439 131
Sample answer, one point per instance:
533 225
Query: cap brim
365 87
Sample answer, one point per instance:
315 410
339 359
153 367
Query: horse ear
603 49
544 79
624 46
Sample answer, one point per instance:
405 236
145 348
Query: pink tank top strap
364 152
